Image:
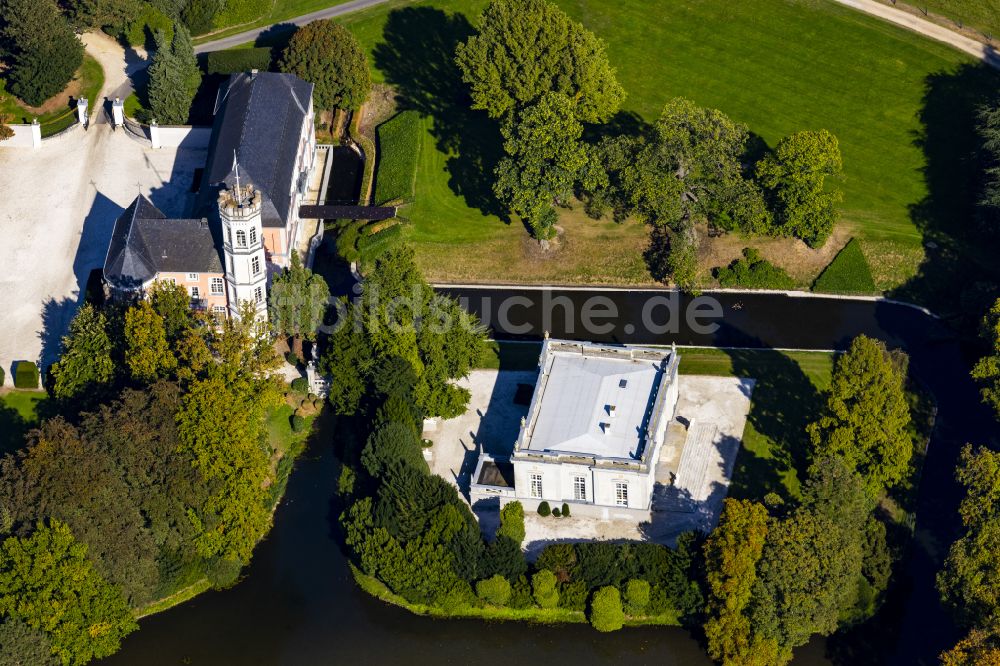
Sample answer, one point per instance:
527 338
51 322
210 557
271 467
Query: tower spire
239 192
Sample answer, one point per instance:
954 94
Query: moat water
297 603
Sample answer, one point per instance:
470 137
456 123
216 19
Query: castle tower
243 242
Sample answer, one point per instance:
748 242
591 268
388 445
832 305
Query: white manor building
592 437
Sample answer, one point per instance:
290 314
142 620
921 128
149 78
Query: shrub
300 385
298 423
292 358
222 572
233 61
543 585
543 508
556 512
495 590
565 510
752 271
512 522
606 612
848 273
199 15
636 597
574 595
345 484
520 596
398 150
371 246
2 376
26 375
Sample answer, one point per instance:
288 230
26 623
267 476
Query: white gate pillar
81 110
154 134
36 134
118 112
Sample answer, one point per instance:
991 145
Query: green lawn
900 105
786 398
18 414
91 78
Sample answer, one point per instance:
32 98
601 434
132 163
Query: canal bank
298 603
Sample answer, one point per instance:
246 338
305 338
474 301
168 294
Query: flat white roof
593 403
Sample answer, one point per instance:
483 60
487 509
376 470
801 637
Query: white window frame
621 493
535 485
580 488
219 309
258 294
192 277
241 238
216 286
195 292
253 237
255 266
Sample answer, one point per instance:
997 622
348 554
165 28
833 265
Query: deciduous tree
297 301
987 369
732 552
867 415
47 582
545 159
970 580
327 55
795 177
147 353
606 613
528 48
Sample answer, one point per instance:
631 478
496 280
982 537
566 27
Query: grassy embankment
868 82
87 82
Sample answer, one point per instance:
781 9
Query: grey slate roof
259 118
144 243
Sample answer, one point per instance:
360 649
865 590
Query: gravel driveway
58 205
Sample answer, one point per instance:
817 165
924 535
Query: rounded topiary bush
565 510
556 512
298 423
606 613
300 385
495 590
636 597
292 358
543 508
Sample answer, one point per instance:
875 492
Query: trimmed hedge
371 246
26 375
848 273
300 385
233 61
398 149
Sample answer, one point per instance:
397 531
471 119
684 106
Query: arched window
253 236
241 238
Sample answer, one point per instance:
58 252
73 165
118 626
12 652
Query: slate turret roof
258 121
144 243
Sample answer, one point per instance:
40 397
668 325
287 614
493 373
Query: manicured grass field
18 414
848 273
91 78
900 105
398 146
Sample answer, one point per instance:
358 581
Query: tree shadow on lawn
417 56
959 271
13 428
783 403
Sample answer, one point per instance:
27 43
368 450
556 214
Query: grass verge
398 148
848 273
175 599
18 415
90 78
